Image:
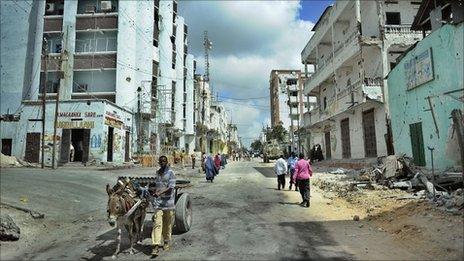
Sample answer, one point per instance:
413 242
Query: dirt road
239 216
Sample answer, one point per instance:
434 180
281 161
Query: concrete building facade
427 85
355 43
288 103
132 55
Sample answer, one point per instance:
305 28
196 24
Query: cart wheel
183 213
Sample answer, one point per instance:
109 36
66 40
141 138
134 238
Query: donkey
121 200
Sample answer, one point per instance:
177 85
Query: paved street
240 216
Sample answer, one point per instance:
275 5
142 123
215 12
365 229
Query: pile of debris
398 172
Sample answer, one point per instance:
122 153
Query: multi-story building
120 69
288 102
354 45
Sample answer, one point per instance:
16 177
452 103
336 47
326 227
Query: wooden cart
183 203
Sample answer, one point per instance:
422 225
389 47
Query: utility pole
139 119
208 46
44 93
54 126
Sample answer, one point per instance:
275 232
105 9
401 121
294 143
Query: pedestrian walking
280 169
291 162
163 204
192 157
302 174
223 161
217 162
210 169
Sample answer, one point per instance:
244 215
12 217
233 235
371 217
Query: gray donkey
121 199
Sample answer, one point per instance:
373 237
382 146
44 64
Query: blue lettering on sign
95 141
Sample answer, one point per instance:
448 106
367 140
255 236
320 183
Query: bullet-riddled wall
433 67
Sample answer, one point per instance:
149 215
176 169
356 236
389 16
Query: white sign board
419 69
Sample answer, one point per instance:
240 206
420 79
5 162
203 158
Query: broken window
393 18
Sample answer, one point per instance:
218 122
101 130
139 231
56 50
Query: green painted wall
409 106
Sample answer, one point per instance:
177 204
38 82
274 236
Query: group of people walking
299 170
211 166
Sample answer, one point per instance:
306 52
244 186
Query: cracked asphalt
239 216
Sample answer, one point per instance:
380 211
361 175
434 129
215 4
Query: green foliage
278 133
257 145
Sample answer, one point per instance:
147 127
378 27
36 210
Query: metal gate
370 141
417 143
32 147
328 153
345 131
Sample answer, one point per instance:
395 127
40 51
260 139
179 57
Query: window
291 82
325 103
393 18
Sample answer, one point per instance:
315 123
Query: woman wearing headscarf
210 168
217 162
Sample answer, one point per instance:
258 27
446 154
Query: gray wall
18 27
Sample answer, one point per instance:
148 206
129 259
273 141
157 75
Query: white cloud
250 38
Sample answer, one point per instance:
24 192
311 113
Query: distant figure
302 174
210 169
316 153
223 161
291 162
71 152
280 168
217 162
203 161
236 157
193 159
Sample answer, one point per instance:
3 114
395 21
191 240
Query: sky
250 38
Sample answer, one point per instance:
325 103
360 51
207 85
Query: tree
278 132
257 145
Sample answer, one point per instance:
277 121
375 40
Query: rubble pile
9 231
398 173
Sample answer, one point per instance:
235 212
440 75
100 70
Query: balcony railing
97 22
100 61
96 45
399 29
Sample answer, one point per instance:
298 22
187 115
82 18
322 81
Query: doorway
6 146
370 141
345 131
328 149
80 139
32 147
127 147
109 153
417 143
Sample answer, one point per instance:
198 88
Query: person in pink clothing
303 173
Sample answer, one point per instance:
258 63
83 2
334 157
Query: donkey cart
183 203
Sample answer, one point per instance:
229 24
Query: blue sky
250 38
312 9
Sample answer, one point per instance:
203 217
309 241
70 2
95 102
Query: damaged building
121 70
426 89
355 43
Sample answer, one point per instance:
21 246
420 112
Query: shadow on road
267 172
315 242
106 243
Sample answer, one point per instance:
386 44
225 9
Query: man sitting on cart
164 206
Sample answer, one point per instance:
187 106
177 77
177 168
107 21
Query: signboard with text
419 69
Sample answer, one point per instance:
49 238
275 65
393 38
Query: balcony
103 22
87 43
83 62
324 27
53 24
349 48
351 96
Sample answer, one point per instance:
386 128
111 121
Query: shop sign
419 69
115 123
75 114
75 124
